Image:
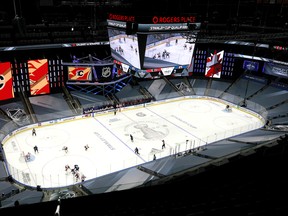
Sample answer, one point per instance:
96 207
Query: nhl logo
106 72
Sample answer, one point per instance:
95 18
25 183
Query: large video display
124 48
167 50
153 50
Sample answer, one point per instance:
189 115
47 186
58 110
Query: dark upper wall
51 21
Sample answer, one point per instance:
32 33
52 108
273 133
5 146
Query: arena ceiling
254 21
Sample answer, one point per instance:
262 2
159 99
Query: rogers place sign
173 19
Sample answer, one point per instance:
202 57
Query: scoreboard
152 50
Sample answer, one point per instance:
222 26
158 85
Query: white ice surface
200 121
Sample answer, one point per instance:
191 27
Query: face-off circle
195 107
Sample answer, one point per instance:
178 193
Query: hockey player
67 167
86 147
35 149
33 132
131 138
163 144
65 148
83 177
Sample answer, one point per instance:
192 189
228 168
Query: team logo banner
38 76
6 82
250 65
214 64
104 73
79 73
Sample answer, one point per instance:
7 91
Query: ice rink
183 124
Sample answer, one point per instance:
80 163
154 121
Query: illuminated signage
173 19
119 17
152 20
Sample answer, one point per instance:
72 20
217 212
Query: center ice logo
148 130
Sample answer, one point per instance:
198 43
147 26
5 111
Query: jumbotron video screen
167 50
124 48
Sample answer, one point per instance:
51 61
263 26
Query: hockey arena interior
108 108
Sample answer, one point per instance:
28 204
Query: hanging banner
6 82
250 65
79 73
214 64
275 70
104 72
38 76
